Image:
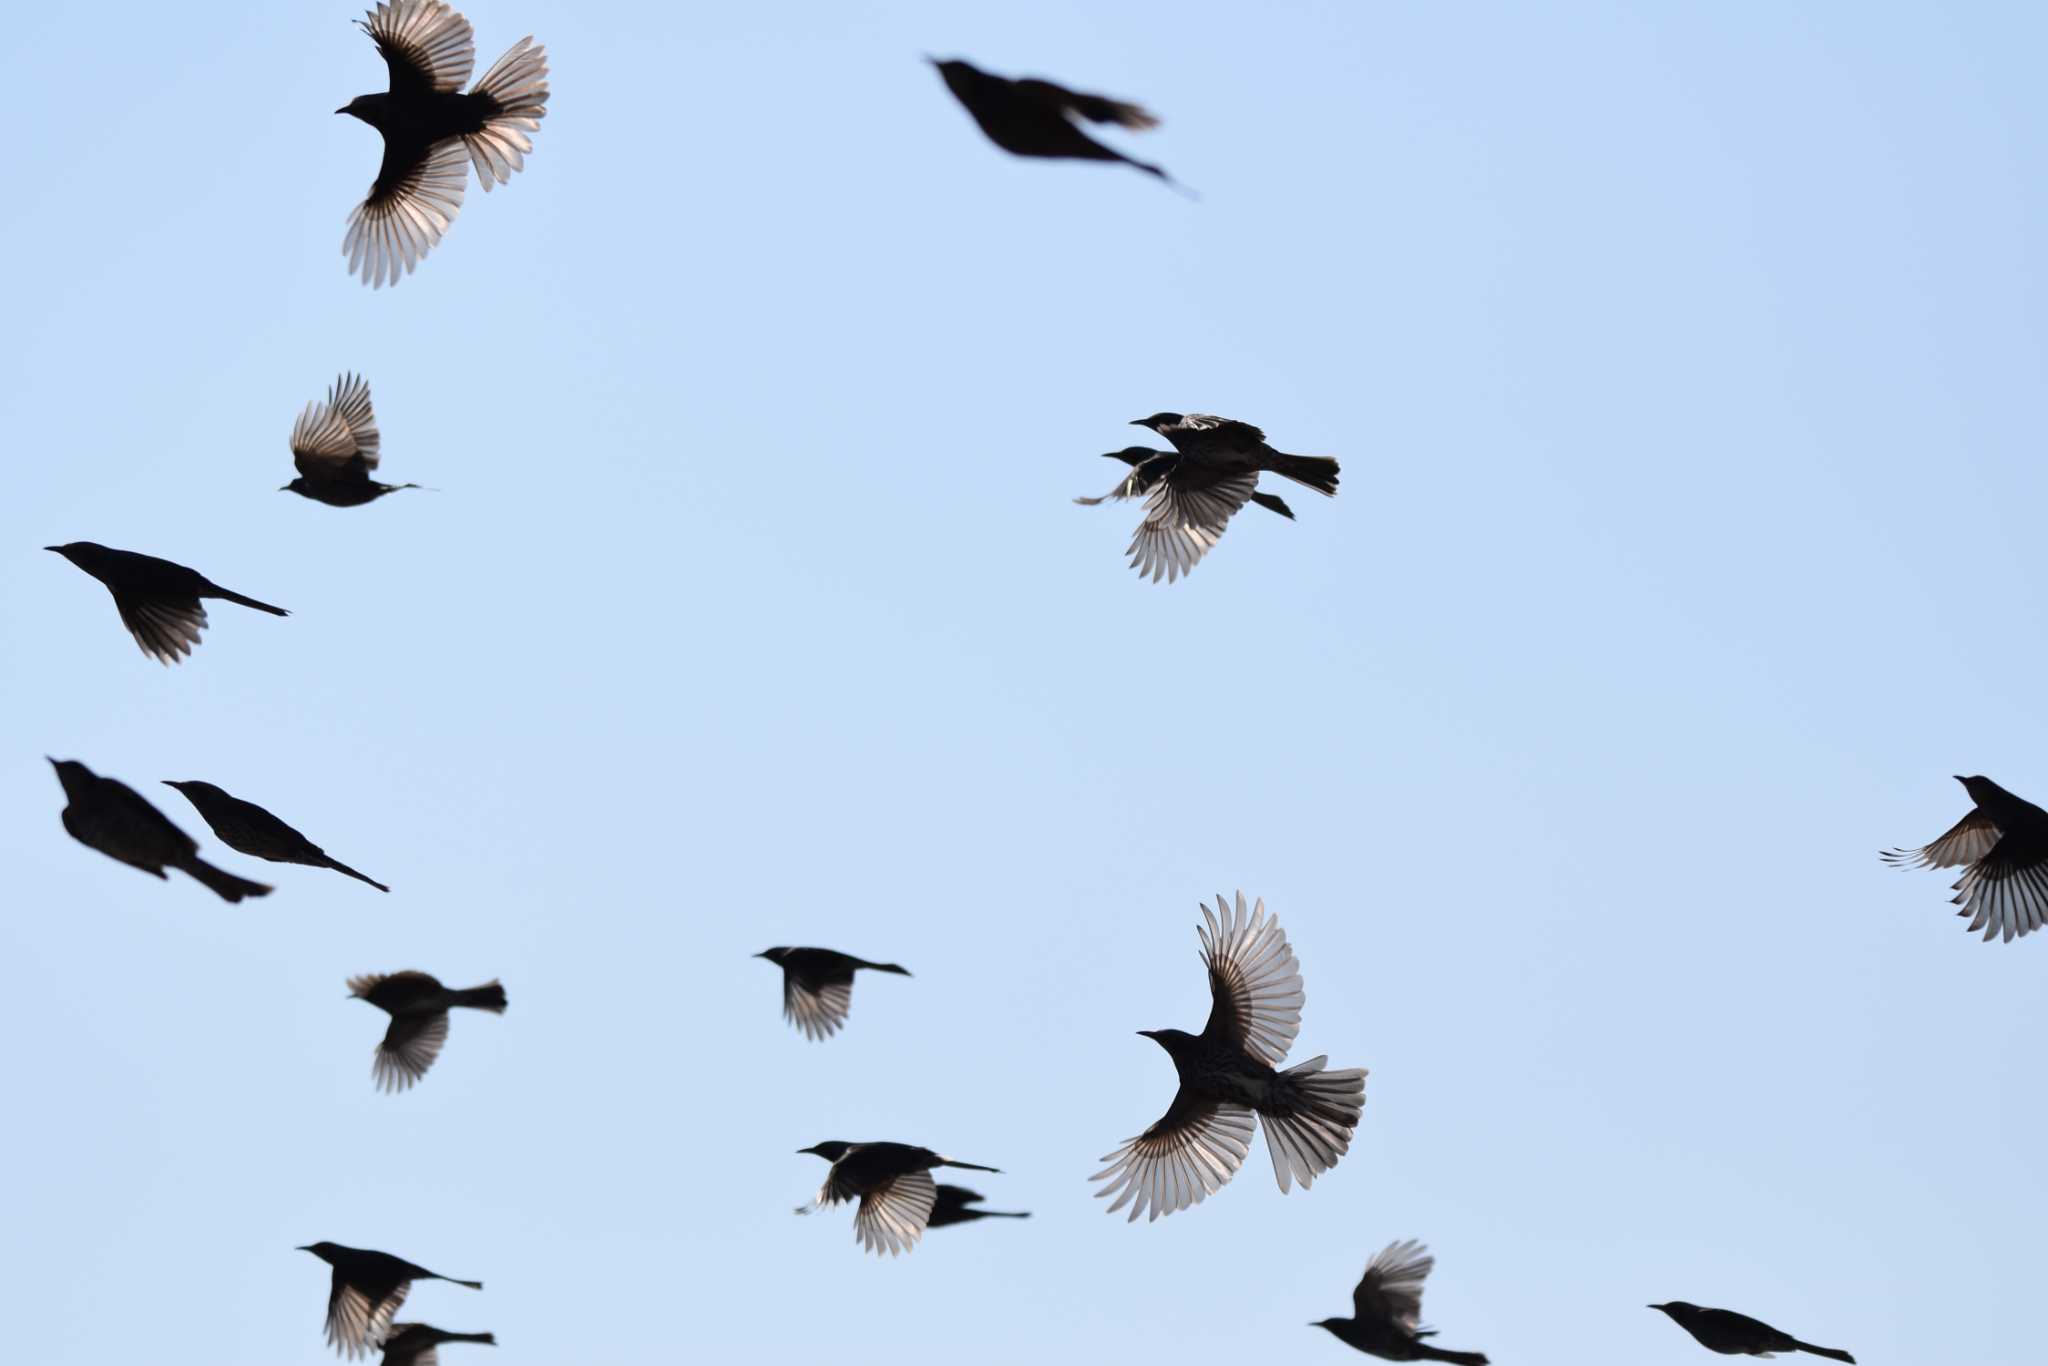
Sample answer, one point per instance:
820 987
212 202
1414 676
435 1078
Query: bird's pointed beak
53 762
1958 777
1148 1033
58 548
1137 422
307 1248
342 110
284 488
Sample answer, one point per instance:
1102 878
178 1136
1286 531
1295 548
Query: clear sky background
1686 370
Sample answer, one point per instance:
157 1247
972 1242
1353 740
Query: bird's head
1174 1041
1328 1325
369 108
326 1252
76 551
1132 455
956 72
1677 1309
1158 422
75 777
193 788
774 955
298 486
1980 788
831 1151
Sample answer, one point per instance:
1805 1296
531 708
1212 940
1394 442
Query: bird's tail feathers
1425 1352
1311 1126
473 1285
490 996
220 592
221 883
1831 1353
897 968
969 1166
340 867
1318 472
487 1339
517 85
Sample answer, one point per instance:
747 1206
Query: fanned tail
1318 472
1310 1125
517 88
490 996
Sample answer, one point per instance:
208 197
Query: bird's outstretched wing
821 1012
338 436
2006 891
416 196
1189 1154
1094 108
892 1215
1391 1289
355 1323
1137 483
1968 840
1254 980
165 627
427 45
1181 523
409 1048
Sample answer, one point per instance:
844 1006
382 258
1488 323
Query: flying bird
334 446
2002 848
1186 510
368 1288
1034 118
1738 1335
959 1205
1228 1077
247 828
817 986
432 129
1386 1310
414 1344
418 1006
892 1181
158 600
112 817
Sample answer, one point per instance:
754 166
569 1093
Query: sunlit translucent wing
403 217
1254 981
355 1325
165 628
893 1215
516 87
427 45
1095 108
2005 892
1968 840
818 1013
331 438
1194 1149
1391 1289
1181 524
410 1046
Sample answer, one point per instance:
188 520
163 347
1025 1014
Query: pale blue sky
1686 368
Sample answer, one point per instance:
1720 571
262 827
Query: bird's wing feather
1182 523
355 1324
2006 891
410 1046
1220 432
893 1214
1968 840
818 1013
1254 980
165 628
416 196
328 436
1195 1148
1391 1289
1094 108
427 45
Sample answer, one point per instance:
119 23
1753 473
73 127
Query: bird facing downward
1229 1081
1034 118
817 986
892 1182
366 1292
334 447
1386 1310
1739 1335
433 131
2002 848
157 599
418 1006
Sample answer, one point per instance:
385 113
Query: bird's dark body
112 818
350 490
1035 118
958 1205
249 829
412 121
1732 1334
813 968
1212 1068
126 571
1390 1342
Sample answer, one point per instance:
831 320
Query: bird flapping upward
433 131
334 448
892 1182
1229 1081
2002 848
1386 1310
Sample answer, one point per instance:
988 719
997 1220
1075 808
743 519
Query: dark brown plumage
1386 1310
1034 118
365 1293
112 817
335 446
158 600
418 1006
892 1182
1229 1081
248 829
2002 848
414 1344
959 1205
817 986
1739 1335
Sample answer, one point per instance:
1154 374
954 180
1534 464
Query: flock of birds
1231 1079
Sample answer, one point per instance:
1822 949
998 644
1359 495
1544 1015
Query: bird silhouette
108 815
2002 848
158 600
892 1182
248 829
1738 1335
365 1294
433 131
334 446
1386 1310
959 1205
1035 118
1187 505
414 1344
418 1006
1228 1080
817 986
